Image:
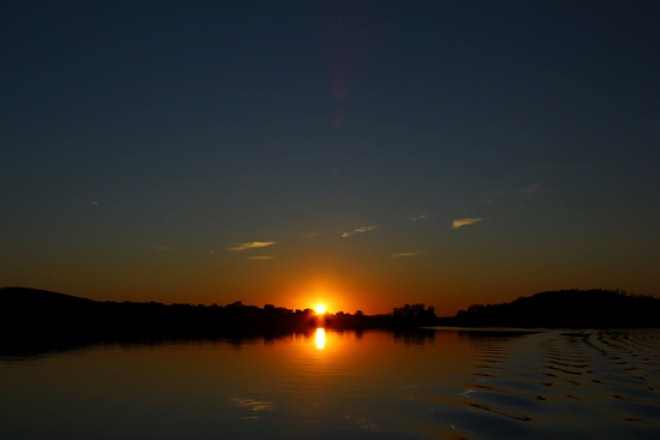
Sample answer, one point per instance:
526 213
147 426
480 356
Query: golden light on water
320 338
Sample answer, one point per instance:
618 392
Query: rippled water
439 384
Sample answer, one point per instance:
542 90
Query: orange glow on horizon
320 309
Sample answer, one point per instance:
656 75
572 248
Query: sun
320 309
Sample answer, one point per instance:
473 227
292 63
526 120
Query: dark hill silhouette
26 297
567 308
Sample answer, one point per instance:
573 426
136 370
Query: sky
363 154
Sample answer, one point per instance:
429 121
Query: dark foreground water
441 384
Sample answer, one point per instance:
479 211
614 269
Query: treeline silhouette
30 316
574 308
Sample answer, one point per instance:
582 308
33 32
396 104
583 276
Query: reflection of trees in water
28 351
487 340
418 336
25 352
487 335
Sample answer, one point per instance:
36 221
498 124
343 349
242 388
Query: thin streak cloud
251 245
404 254
460 222
360 230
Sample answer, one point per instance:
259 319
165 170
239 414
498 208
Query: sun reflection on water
320 338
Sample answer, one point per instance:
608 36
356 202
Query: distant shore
30 317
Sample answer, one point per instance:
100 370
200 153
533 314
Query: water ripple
544 381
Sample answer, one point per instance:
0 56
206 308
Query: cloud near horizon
360 230
460 222
251 245
404 254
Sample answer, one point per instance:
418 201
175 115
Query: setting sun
320 309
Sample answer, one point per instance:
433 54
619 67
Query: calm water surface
441 384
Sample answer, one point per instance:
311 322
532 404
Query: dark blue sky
364 154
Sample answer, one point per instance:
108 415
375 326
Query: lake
442 383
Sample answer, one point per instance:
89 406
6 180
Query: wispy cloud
460 222
251 245
404 254
360 230
495 197
162 247
529 191
418 218
261 257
